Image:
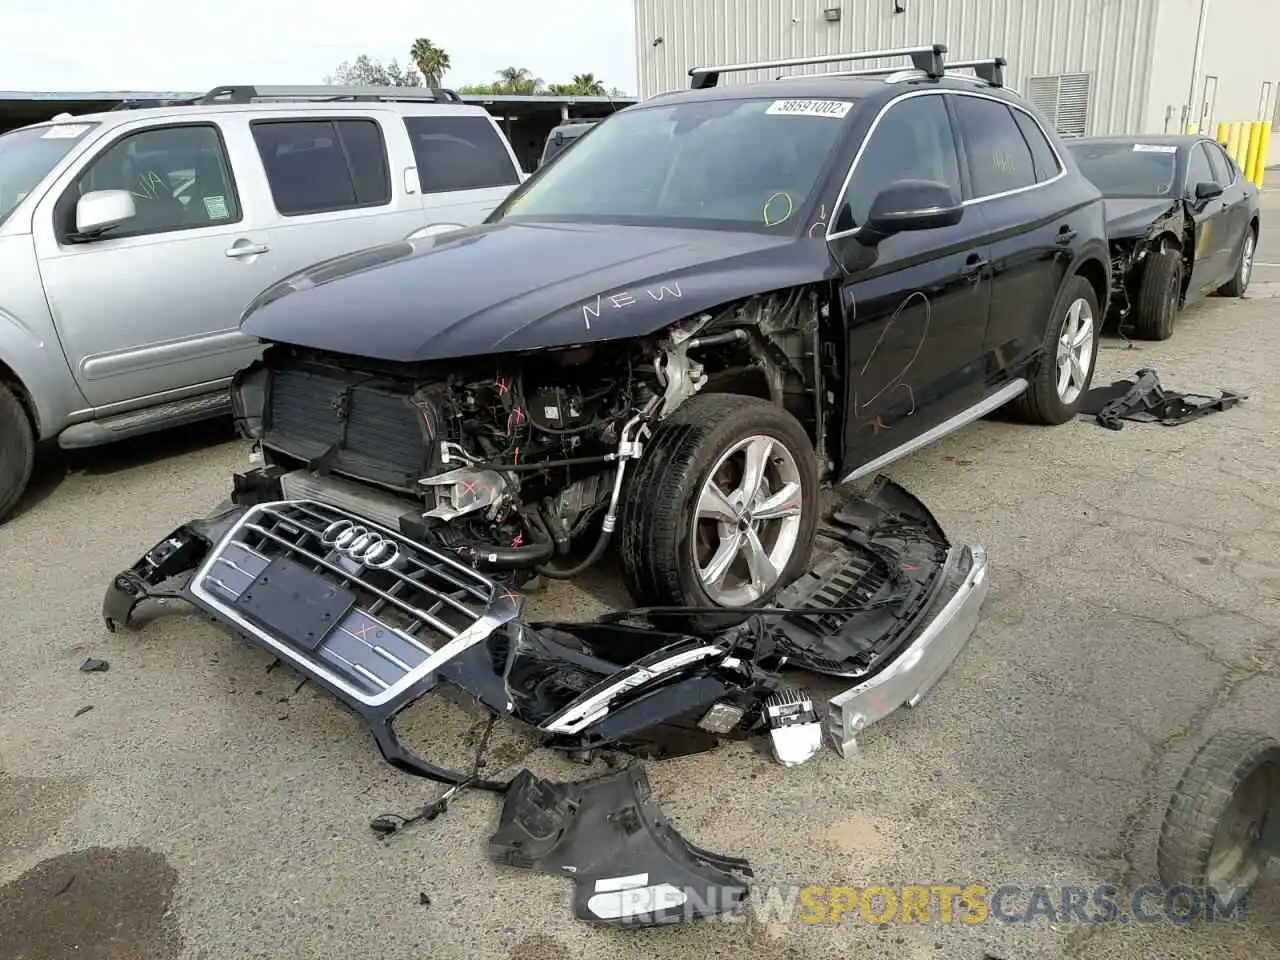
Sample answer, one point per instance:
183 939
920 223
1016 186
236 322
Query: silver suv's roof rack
320 92
927 59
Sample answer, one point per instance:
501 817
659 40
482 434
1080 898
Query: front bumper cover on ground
379 620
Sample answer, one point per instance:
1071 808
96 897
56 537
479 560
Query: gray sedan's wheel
1160 296
17 450
1212 832
722 510
1238 284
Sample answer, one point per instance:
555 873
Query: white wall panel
1109 39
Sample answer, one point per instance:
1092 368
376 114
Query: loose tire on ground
1041 403
17 450
1220 789
1159 296
658 537
1238 284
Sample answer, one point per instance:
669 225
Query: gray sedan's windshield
733 163
1128 169
27 155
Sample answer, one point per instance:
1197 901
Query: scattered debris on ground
1143 399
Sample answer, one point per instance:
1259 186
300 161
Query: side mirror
100 210
1207 190
911 205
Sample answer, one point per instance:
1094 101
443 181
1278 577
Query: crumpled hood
1128 218
511 286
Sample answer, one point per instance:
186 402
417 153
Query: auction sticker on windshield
1154 148
810 108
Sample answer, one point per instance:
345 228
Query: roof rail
146 104
929 59
989 71
249 94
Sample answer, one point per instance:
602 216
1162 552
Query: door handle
974 266
246 250
1065 236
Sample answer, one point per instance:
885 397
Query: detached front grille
371 610
366 427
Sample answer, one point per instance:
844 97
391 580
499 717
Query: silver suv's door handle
247 250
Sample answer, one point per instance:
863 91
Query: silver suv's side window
912 141
318 166
459 153
179 176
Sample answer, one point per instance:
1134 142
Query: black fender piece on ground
609 836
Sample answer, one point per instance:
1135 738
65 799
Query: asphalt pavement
189 802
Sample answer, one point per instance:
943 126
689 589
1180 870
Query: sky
150 45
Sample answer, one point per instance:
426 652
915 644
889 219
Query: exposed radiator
354 424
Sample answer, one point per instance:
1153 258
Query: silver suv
131 241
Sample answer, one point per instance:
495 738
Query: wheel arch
9 377
1094 270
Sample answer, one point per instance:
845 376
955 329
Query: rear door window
319 166
999 159
459 153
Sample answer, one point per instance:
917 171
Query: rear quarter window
459 153
1042 155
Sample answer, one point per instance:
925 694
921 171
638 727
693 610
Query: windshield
27 155
736 164
1128 169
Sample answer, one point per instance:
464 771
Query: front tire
1070 349
17 450
1212 830
722 510
1160 296
1237 285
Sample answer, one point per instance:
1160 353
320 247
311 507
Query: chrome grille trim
421 615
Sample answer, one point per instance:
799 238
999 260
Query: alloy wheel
746 522
1246 259
1075 351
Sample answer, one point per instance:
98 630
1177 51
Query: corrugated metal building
1092 66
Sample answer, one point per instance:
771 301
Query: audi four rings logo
360 544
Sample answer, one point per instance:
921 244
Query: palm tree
432 61
587 85
519 80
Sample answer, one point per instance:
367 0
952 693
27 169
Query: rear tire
1072 331
711 470
1160 296
1237 285
17 450
1210 835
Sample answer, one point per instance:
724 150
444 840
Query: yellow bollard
1251 163
1242 148
1233 142
1224 133
1193 128
1264 154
